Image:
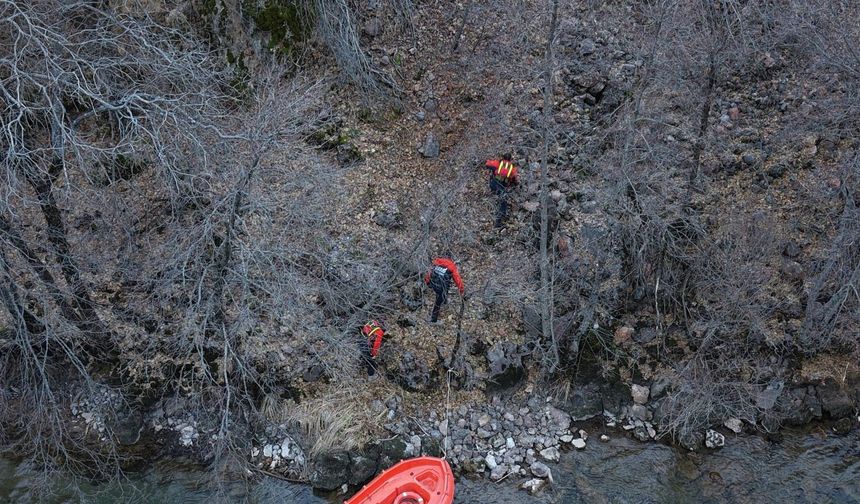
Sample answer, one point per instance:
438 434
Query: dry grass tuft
340 418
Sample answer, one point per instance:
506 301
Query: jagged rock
363 466
659 386
578 443
766 399
540 470
505 364
533 485
431 146
734 425
330 470
391 451
550 454
714 439
585 402
640 393
490 461
834 401
558 420
614 399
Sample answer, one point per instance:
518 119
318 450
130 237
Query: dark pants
440 286
369 362
501 191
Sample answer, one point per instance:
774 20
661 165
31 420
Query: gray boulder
330 470
431 146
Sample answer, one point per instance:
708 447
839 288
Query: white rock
639 393
533 485
490 460
734 425
268 450
714 439
579 444
567 438
583 434
651 431
550 454
604 438
255 451
509 443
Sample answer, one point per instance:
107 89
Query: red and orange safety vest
374 333
503 170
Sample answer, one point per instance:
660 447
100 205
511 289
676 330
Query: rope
447 435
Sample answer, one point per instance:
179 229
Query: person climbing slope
372 334
442 272
503 177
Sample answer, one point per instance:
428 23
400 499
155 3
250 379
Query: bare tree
545 289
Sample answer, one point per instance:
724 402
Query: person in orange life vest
372 334
439 277
503 177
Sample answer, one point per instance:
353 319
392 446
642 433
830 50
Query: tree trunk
81 301
546 301
24 321
44 274
703 122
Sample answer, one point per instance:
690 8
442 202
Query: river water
803 468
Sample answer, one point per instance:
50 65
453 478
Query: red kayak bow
421 480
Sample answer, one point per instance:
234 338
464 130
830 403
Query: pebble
550 454
640 394
604 438
490 461
579 444
533 485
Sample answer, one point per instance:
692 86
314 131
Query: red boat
421 480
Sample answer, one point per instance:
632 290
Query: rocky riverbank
515 435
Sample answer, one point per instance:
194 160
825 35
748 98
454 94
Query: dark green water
803 468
